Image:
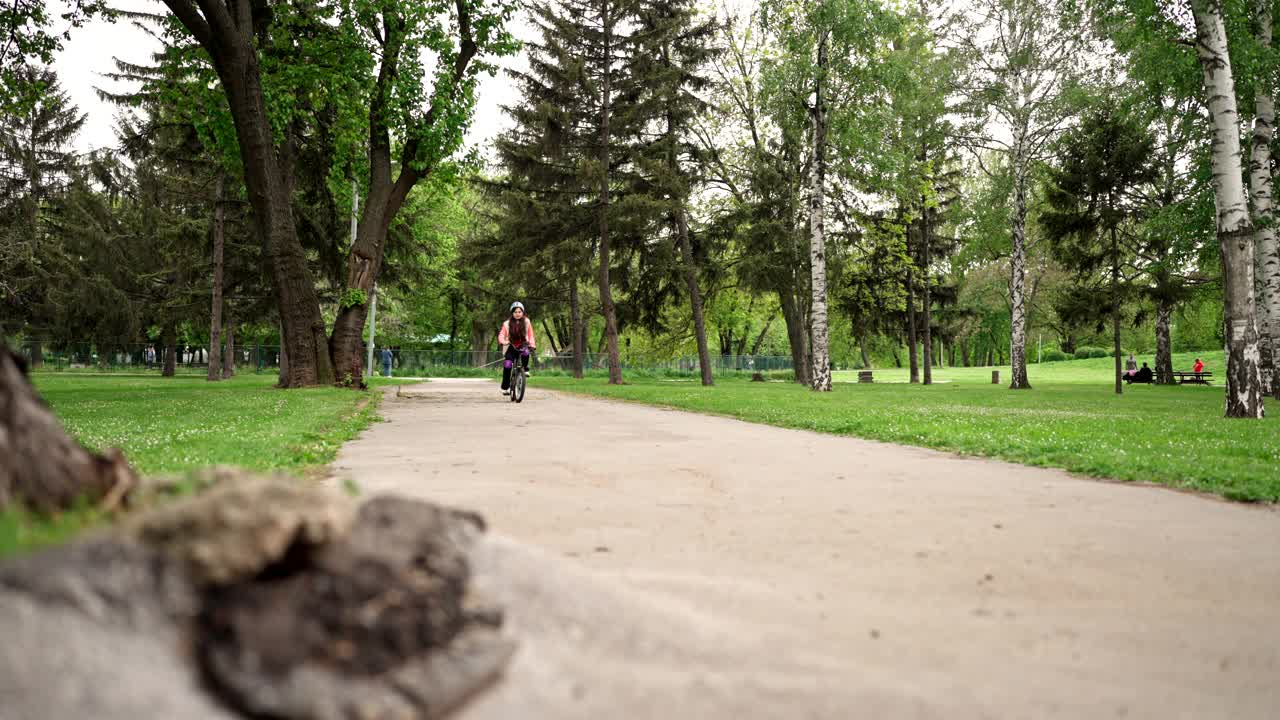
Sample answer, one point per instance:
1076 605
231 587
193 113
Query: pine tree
573 142
36 164
676 46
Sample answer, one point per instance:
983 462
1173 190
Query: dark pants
513 354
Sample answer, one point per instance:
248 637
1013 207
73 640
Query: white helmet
516 304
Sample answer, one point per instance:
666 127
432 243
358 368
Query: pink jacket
503 339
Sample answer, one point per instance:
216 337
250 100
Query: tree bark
40 466
866 357
606 292
170 340
215 313
284 357
228 351
797 336
1268 248
1235 232
964 354
1018 280
579 338
1164 348
821 380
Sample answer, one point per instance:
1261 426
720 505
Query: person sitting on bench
1140 376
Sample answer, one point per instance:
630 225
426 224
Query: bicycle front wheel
517 387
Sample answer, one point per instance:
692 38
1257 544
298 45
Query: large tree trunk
169 336
1235 232
1268 249
215 313
230 43
821 380
1164 348
1018 279
579 332
40 466
606 292
480 339
228 351
797 335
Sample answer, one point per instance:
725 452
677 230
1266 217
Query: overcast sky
91 48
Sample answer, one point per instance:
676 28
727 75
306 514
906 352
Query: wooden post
995 377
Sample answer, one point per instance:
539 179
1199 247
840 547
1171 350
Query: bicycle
517 380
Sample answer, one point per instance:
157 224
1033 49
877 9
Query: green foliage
1069 421
352 297
1054 356
1086 352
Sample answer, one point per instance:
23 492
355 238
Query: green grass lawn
182 423
1071 419
173 425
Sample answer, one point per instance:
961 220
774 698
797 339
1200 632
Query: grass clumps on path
1174 436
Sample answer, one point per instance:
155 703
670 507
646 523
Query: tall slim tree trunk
1115 307
1164 348
1018 279
866 357
215 313
480 339
1268 248
37 354
927 299
964 353
821 380
695 296
764 332
606 291
579 332
797 335
1235 232
229 350
170 339
912 340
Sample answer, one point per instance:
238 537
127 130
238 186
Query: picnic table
1200 378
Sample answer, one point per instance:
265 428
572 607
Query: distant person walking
386 362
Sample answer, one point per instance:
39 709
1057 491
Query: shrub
1054 356
1086 352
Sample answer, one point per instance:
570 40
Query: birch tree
828 62
1235 229
1024 58
1260 182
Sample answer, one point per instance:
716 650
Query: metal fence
406 361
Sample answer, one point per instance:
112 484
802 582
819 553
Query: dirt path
933 585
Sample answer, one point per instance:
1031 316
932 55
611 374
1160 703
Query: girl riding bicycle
516 340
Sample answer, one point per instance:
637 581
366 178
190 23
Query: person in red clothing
1198 367
516 339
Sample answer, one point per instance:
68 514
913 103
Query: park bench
1201 378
